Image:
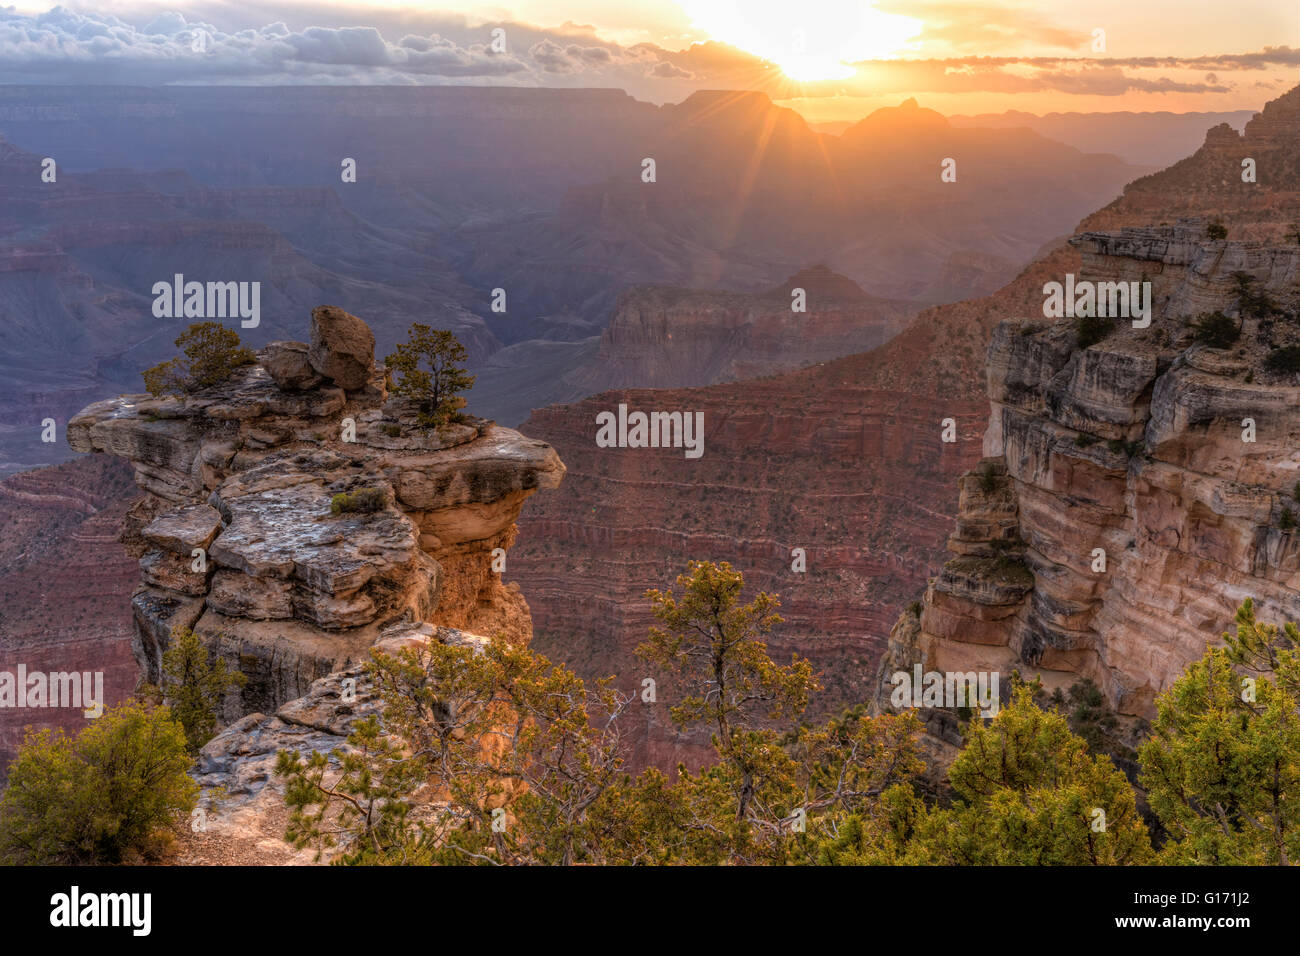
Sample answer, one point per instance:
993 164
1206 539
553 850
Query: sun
810 40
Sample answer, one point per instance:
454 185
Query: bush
392 431
988 480
1286 521
106 795
433 391
194 686
210 353
366 501
1085 441
1252 302
1283 360
1215 330
1216 231
1091 329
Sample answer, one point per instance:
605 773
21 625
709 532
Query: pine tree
194 686
433 391
1222 766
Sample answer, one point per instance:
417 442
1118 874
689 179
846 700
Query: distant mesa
822 284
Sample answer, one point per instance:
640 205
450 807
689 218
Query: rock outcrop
294 512
1133 492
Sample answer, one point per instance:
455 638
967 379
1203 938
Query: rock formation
1133 492
665 337
294 513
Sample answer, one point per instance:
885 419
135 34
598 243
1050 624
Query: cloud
415 46
667 71
101 48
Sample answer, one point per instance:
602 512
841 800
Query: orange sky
833 60
958 32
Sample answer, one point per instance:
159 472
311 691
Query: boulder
342 347
288 364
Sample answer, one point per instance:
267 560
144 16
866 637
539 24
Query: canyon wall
1135 491
66 584
665 337
844 460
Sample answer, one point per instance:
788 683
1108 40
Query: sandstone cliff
843 459
1133 492
66 585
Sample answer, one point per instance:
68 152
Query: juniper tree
210 353
433 389
1028 792
108 794
520 752
1222 765
194 685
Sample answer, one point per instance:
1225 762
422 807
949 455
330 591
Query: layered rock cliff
1133 492
665 337
845 460
66 585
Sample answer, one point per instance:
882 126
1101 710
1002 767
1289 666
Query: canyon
463 191
845 460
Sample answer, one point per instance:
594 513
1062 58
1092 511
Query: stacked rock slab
1119 519
237 538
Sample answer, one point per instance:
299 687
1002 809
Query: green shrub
434 391
1091 329
1283 360
1216 231
109 794
392 431
210 353
1215 330
1085 441
365 501
1286 521
194 686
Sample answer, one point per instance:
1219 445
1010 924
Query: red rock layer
66 584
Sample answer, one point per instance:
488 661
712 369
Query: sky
832 60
